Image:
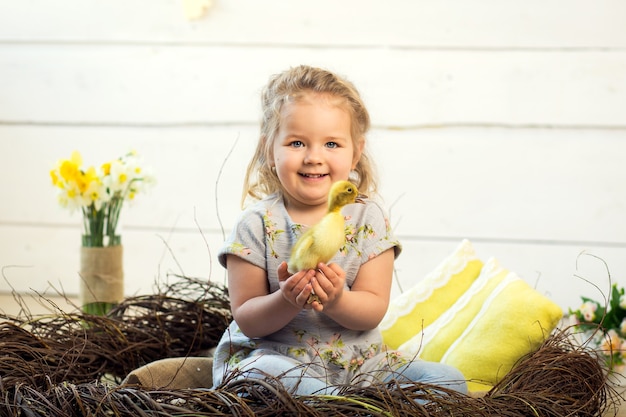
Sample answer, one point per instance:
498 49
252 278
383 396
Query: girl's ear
358 151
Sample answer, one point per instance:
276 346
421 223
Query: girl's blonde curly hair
260 179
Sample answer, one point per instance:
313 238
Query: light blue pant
296 377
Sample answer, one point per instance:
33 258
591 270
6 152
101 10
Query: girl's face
313 149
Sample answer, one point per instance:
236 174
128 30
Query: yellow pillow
513 321
443 332
421 305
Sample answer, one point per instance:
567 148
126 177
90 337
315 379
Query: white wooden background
499 121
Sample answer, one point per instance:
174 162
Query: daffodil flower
99 193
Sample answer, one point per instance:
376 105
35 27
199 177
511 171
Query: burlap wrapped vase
102 275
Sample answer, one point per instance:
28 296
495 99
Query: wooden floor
35 305
621 412
621 389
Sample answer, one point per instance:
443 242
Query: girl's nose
313 155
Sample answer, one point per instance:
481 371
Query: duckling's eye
349 189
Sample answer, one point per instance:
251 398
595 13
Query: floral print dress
263 236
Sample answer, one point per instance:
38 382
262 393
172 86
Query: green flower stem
98 308
100 225
114 209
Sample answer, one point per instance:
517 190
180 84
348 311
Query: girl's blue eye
332 145
297 144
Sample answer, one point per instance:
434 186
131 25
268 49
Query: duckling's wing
300 252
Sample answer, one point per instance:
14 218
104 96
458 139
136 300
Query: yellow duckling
322 241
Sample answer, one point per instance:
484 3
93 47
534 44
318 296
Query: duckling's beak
360 199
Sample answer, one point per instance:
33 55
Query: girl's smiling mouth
302 174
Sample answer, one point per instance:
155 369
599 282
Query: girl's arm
256 311
365 304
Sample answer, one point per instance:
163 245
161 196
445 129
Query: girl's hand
328 283
295 288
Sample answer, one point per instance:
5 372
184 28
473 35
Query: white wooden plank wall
499 121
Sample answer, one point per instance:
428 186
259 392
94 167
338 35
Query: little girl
312 135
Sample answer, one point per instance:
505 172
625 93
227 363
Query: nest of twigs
186 318
55 366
